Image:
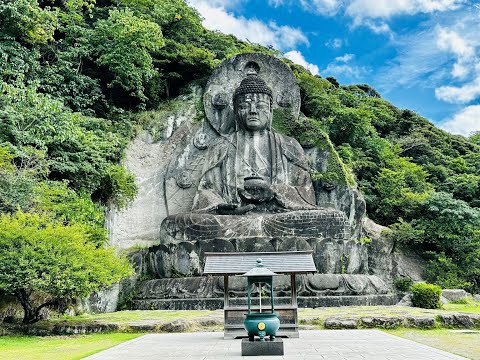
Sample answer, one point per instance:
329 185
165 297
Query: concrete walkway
322 344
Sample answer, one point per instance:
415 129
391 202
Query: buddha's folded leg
307 224
322 223
190 227
201 227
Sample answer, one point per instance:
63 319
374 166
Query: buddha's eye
263 105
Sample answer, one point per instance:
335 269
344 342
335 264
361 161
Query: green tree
124 43
475 137
79 149
401 190
56 200
39 255
452 237
26 21
17 183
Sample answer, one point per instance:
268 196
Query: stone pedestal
262 348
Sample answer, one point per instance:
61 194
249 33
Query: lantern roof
259 271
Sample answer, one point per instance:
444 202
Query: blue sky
422 55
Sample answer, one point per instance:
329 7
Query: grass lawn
463 344
472 307
58 347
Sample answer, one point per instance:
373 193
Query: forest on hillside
77 75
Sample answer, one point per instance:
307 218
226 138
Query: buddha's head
253 104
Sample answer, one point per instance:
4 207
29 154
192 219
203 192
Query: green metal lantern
261 324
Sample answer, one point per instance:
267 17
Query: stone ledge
468 321
303 302
463 321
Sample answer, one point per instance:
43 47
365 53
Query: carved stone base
211 287
184 259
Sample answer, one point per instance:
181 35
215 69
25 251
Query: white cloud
441 57
335 43
451 41
459 94
216 17
465 122
297 58
341 67
226 4
276 3
346 71
462 46
324 7
388 8
460 71
345 58
371 13
378 27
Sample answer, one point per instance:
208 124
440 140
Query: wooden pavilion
232 264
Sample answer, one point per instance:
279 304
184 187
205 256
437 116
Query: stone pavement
312 344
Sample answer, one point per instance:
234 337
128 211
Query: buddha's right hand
233 209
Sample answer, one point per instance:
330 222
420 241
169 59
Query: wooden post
293 285
225 292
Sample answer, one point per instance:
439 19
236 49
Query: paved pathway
312 345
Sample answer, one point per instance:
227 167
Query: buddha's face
253 111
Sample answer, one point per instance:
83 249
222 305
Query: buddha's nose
253 108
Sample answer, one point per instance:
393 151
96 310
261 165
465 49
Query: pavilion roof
281 262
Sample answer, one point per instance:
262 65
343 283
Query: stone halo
218 96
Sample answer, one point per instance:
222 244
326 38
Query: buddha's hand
260 192
233 209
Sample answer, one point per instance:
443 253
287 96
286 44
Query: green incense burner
261 324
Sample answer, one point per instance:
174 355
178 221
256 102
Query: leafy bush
426 296
403 283
41 255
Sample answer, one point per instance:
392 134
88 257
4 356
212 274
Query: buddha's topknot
252 84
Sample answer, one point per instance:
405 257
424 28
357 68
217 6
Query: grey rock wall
139 224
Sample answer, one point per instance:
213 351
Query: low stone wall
303 302
215 322
459 321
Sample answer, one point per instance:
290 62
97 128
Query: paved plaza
321 344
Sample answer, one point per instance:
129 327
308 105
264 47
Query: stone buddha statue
256 169
255 182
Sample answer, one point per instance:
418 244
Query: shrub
403 283
426 296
